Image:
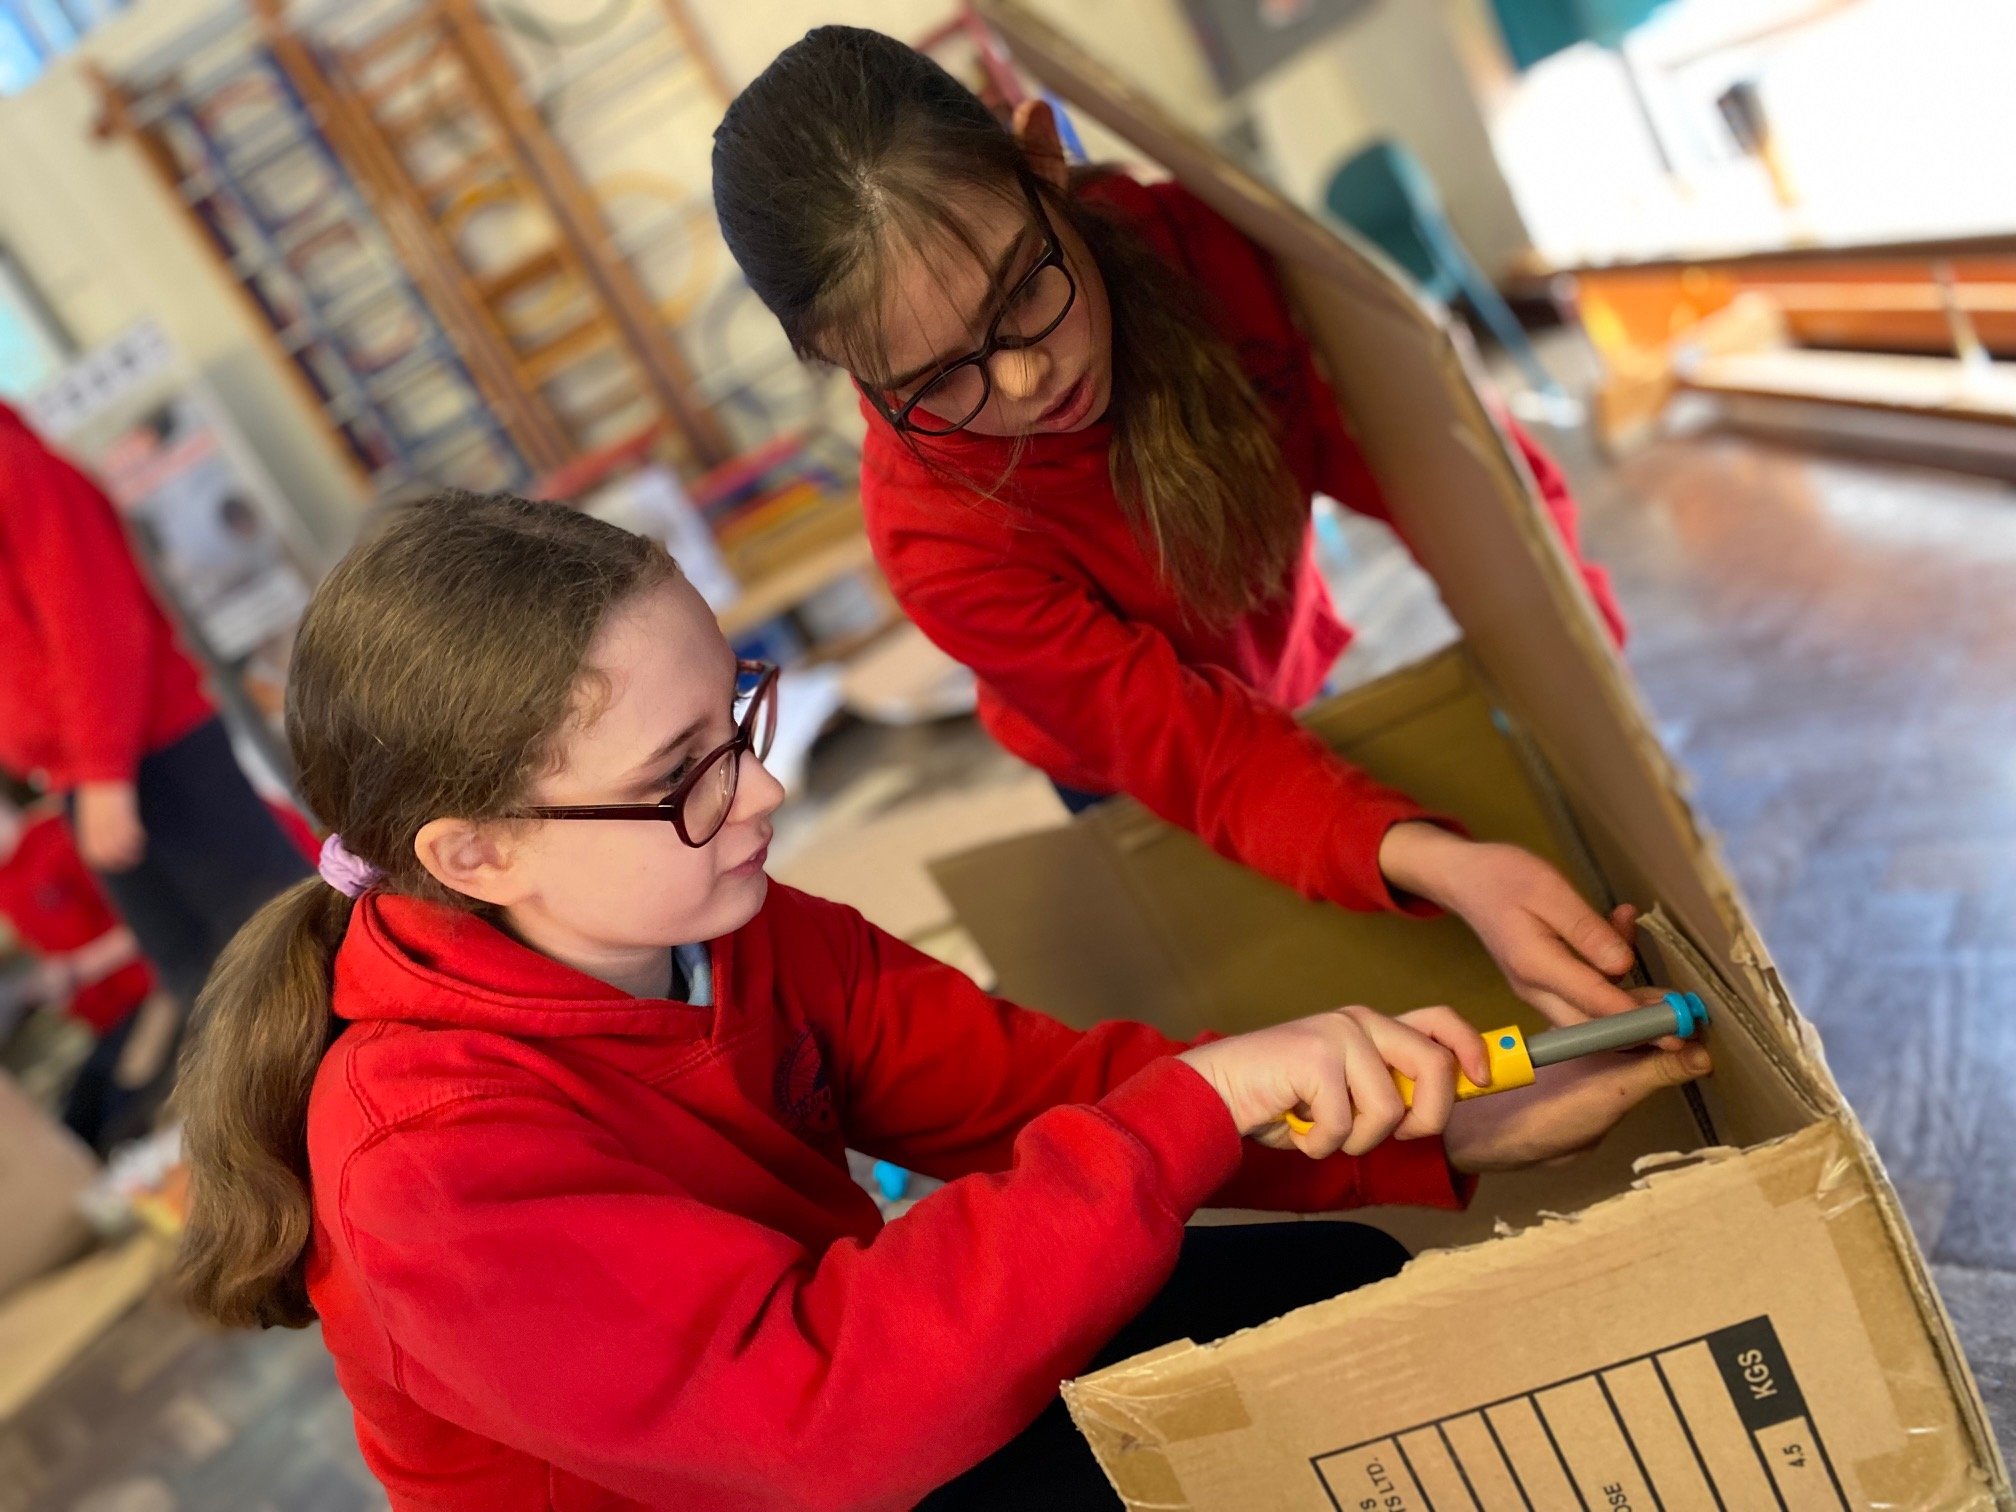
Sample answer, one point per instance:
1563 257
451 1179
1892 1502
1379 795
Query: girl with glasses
539 1097
1094 433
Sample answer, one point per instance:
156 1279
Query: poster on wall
212 547
1245 40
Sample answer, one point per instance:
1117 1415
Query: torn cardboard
1785 1252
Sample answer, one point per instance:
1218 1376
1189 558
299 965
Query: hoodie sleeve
941 1078
1191 743
548 1291
75 567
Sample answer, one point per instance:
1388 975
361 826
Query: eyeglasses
701 802
1035 307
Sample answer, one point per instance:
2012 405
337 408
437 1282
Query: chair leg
1498 317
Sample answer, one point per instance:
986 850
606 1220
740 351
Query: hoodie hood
405 960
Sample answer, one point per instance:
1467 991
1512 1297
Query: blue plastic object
892 1181
1690 1014
1384 194
1537 29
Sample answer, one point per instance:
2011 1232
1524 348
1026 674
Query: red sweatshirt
91 677
55 906
1088 666
578 1249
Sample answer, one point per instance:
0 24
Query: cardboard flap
1462 497
1729 1333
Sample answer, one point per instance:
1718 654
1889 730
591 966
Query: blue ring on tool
1690 1014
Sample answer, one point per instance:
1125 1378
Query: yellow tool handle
1511 1066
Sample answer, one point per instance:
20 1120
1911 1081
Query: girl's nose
1020 375
757 793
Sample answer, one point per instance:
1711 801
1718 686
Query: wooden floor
1832 650
1831 647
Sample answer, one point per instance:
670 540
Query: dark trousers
1077 800
215 854
96 1108
1227 1279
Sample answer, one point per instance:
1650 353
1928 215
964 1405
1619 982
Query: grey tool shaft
1617 1032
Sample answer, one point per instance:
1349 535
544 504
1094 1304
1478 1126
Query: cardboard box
1722 1308
43 1169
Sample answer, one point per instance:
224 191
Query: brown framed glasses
700 802
954 396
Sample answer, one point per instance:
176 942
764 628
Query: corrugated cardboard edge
1804 1071
1105 1408
1134 1412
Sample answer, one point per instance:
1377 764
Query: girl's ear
472 859
1035 125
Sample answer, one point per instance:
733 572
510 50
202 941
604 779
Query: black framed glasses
1034 308
699 804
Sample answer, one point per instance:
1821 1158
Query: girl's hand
110 837
1568 1109
1336 1069
1558 953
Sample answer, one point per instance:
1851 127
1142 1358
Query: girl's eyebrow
651 767
995 289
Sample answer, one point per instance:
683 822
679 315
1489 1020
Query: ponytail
262 1025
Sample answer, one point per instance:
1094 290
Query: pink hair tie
350 875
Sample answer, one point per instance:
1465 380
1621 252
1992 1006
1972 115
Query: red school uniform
91 676
55 906
1089 667
577 1249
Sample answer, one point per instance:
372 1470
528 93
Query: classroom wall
1151 38
105 246
1403 69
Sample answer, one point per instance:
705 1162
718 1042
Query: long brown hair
846 152
432 673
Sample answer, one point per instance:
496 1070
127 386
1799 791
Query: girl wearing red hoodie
100 705
540 1097
1094 432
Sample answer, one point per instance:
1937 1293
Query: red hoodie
1089 667
577 1249
91 677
